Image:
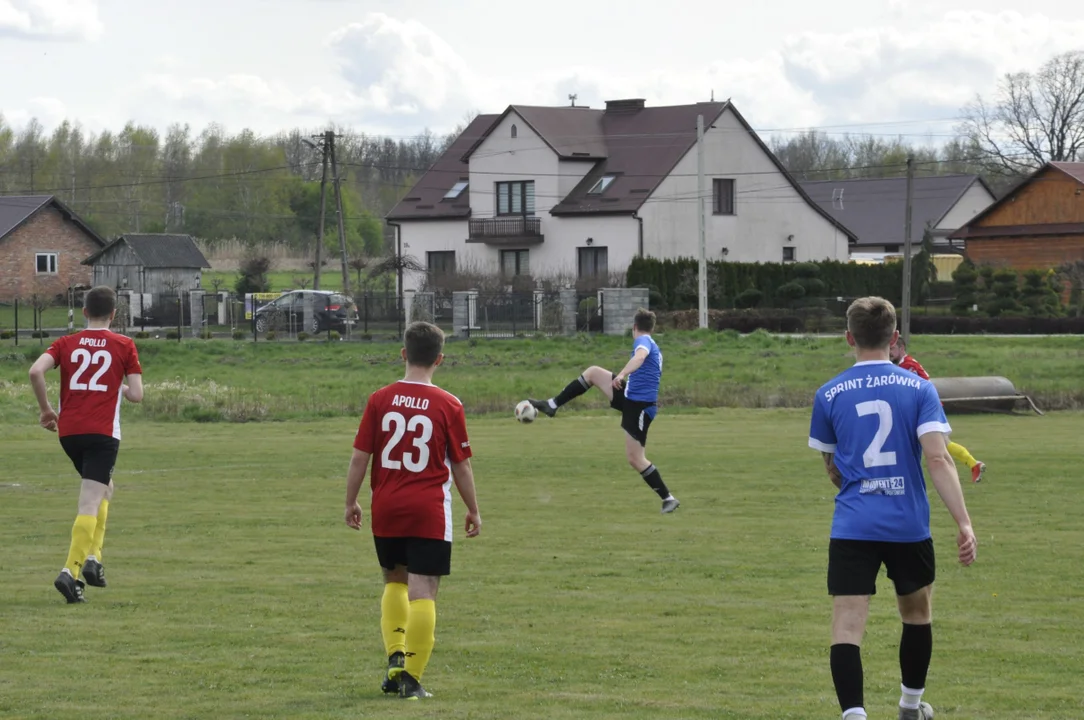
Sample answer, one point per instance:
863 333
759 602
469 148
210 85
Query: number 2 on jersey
398 426
85 360
873 456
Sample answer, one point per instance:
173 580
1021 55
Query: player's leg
852 579
394 607
960 454
429 561
68 583
912 568
93 571
593 376
635 421
98 462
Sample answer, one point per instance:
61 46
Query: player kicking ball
416 435
633 392
97 368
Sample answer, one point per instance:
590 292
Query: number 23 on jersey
400 451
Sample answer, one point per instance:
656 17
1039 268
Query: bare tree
1035 118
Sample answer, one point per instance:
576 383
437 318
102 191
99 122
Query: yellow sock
99 531
960 454
394 611
82 538
420 636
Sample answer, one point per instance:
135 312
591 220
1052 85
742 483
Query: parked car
330 310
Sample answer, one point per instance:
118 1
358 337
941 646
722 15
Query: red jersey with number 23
93 364
415 432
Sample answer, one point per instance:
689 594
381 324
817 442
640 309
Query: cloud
48 111
50 19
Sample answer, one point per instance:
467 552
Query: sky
397 67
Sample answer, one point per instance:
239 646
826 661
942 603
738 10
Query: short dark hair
424 343
644 320
100 302
871 320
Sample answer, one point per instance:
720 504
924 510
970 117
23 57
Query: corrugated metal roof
875 208
156 250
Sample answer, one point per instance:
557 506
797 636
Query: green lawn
236 591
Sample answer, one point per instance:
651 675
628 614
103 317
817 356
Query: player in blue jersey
633 392
872 423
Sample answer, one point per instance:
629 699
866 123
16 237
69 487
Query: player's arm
133 388
42 365
632 365
463 474
833 472
947 482
355 477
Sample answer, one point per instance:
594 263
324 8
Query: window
45 263
514 262
591 261
515 198
442 262
892 248
600 187
723 196
456 190
515 132
788 254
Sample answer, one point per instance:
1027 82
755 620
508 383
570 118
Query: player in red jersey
416 435
97 369
899 355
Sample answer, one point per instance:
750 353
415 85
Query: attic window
515 132
456 190
601 185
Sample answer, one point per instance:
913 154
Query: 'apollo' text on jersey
871 417
93 364
414 432
643 384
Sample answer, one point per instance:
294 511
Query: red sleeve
131 363
916 367
56 350
365 440
458 442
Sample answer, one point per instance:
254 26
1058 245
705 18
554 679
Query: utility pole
339 207
905 320
702 292
328 139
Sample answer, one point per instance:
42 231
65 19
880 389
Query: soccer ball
526 412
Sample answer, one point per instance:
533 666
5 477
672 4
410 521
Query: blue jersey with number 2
643 384
871 417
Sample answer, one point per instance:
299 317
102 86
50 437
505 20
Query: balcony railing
509 229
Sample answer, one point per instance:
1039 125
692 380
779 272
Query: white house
574 191
876 208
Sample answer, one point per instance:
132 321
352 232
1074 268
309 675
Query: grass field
236 591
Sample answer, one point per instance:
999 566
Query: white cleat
922 712
670 504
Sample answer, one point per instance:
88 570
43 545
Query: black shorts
421 556
853 566
93 455
636 415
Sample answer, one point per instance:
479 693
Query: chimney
632 105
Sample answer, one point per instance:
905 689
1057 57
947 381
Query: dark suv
330 310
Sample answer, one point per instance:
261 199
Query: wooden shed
150 264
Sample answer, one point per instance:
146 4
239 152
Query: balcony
505 230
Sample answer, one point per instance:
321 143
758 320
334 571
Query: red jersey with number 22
93 364
414 432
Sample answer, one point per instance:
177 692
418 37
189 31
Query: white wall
571 172
422 236
974 201
768 208
501 157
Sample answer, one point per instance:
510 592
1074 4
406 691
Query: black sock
654 480
847 675
573 390
916 648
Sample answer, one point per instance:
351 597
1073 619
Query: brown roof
1033 230
425 201
15 210
638 145
1074 170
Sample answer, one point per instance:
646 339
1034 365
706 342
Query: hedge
950 325
673 282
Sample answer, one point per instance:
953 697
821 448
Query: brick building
1039 224
42 247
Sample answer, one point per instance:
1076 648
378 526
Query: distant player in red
416 435
97 369
898 353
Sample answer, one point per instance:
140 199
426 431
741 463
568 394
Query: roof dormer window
456 190
600 187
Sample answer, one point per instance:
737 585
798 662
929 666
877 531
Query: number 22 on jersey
421 429
101 359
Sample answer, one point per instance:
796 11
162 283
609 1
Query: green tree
965 283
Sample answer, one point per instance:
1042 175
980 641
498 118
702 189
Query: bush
142 335
302 336
1004 325
206 334
239 334
253 277
270 335
748 298
334 335
39 334
7 334
173 335
746 323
